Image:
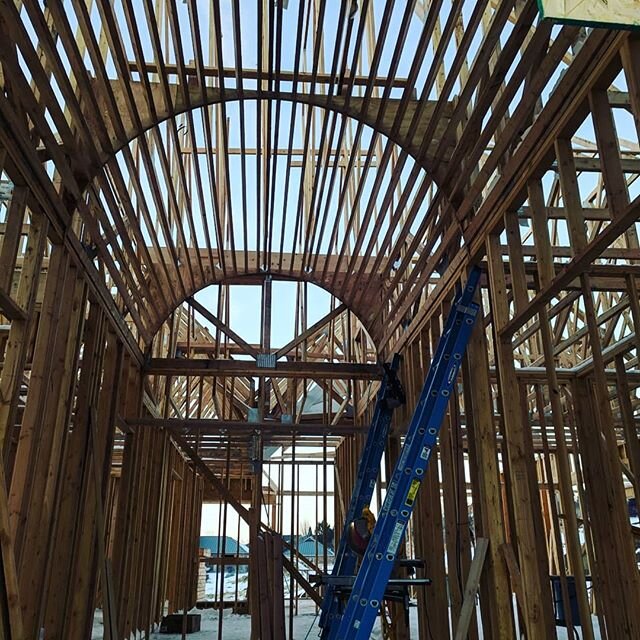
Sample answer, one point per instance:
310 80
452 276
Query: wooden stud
538 617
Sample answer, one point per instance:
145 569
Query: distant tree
305 525
324 533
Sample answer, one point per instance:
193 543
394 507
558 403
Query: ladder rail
364 603
390 395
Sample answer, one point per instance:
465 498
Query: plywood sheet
621 13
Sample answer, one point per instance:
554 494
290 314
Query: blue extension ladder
361 610
390 396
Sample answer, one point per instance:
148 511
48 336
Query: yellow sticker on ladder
413 490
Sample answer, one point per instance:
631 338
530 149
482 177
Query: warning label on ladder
413 491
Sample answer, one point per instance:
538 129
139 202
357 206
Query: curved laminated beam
292 269
392 118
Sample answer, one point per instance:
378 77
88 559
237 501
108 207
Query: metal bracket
266 361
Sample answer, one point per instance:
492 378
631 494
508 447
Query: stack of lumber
202 579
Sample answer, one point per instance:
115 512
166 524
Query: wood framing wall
120 412
91 516
538 449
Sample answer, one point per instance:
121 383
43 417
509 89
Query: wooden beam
314 328
471 589
246 347
10 308
231 428
295 369
212 478
11 236
514 573
579 264
483 462
11 627
538 616
301 580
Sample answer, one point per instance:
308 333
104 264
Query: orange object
367 514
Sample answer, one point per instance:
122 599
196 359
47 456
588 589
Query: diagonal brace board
368 590
244 514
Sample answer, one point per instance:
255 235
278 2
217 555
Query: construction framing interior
160 159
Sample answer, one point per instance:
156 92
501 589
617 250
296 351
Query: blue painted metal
363 605
389 397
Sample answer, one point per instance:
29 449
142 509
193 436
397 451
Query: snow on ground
305 626
212 586
237 627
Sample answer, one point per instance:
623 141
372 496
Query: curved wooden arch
376 113
404 122
290 270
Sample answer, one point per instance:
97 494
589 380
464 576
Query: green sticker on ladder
413 490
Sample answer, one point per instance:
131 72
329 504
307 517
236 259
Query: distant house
226 545
229 548
310 548
307 545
